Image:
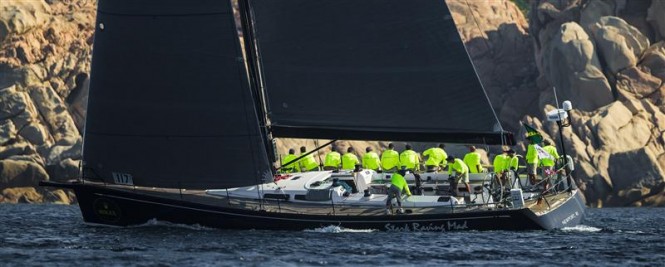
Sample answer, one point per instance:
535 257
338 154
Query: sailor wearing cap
458 171
397 185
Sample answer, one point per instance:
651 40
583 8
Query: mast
255 77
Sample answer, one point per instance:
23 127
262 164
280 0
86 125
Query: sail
169 102
370 70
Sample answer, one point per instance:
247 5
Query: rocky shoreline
607 56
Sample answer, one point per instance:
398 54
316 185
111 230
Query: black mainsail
370 70
169 99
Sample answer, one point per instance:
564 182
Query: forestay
169 103
370 70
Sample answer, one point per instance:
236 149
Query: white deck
299 186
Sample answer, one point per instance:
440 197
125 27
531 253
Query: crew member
371 160
512 164
458 170
409 159
548 164
390 159
289 164
500 164
436 156
397 186
349 160
472 160
308 163
332 160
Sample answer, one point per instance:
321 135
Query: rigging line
254 75
490 48
258 61
482 32
556 99
316 144
259 174
496 117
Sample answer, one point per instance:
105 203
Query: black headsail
370 70
169 102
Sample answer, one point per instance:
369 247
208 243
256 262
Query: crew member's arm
406 188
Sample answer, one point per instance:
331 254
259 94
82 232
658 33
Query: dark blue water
56 235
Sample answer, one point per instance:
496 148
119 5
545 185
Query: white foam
338 229
581 228
631 232
154 222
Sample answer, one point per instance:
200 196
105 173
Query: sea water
45 235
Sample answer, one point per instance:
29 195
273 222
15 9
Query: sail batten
371 69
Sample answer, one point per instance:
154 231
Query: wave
631 231
581 228
337 229
157 223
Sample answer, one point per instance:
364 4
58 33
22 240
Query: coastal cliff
607 56
45 49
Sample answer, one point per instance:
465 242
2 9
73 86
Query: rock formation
497 38
607 56
45 49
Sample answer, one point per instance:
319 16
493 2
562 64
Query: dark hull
102 205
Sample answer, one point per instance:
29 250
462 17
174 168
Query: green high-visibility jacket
293 166
552 151
349 161
371 161
499 163
333 159
435 156
531 155
472 160
389 159
308 163
459 166
399 181
512 163
409 159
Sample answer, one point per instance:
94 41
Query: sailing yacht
182 115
